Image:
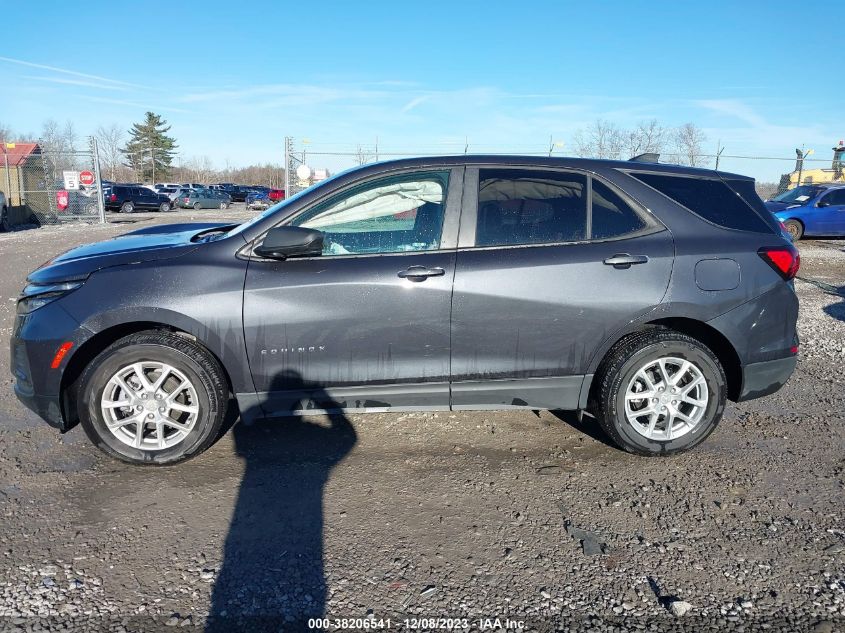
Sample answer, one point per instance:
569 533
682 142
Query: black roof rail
648 157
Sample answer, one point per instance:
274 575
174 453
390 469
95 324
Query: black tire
182 353
127 207
4 220
223 205
164 207
197 206
620 367
795 229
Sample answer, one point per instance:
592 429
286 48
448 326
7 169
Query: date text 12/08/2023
433 623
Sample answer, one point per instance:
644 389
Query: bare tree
648 136
688 145
6 134
363 155
601 140
201 169
110 141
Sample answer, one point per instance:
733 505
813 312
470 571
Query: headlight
35 296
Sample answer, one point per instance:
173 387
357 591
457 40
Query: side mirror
823 203
290 241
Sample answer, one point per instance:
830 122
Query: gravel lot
532 519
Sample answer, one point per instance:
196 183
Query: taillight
784 259
186 200
113 197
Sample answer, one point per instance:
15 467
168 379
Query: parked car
166 185
193 185
127 199
811 210
4 213
204 199
258 200
170 192
430 283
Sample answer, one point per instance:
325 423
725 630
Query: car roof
559 162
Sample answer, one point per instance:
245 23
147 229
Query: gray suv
647 295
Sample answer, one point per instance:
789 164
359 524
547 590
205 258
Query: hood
148 244
775 207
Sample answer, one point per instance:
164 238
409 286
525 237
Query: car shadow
271 577
835 310
585 424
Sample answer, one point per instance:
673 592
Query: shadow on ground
271 577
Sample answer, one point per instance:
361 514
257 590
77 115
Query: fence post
101 203
287 166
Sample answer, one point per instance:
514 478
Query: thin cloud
135 104
413 103
78 82
66 71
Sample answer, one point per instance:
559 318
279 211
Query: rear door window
611 215
530 207
708 198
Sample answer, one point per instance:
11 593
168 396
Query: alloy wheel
149 405
666 398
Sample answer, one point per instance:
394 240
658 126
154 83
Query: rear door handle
420 273
624 260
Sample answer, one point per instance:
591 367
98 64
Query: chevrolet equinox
645 294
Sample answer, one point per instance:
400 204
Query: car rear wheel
154 398
127 207
795 229
660 392
197 206
164 207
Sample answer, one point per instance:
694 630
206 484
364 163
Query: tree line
682 145
144 153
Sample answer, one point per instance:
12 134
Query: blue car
811 210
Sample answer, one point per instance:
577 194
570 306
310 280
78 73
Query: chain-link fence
306 160
51 186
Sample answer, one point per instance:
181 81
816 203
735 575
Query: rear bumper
762 379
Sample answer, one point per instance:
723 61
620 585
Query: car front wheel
153 397
164 207
660 392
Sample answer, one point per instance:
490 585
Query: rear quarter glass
709 198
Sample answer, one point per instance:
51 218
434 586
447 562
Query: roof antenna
648 157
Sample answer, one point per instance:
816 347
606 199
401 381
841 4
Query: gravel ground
531 519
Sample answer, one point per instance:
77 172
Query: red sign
61 200
86 178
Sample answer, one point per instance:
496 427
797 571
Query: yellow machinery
815 176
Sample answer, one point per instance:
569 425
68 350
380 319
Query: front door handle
624 260
420 273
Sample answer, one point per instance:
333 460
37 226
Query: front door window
392 215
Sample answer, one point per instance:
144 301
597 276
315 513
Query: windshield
797 195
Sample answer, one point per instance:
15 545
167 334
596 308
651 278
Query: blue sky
234 78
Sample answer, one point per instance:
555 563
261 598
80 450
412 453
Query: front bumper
35 339
762 379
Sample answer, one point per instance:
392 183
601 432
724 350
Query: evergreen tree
149 150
